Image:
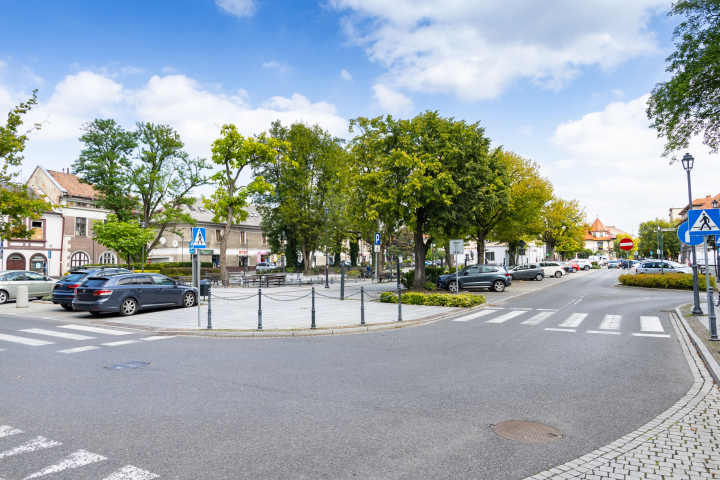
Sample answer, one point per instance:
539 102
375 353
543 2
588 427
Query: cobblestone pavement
682 443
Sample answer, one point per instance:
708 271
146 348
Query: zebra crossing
554 321
25 447
43 337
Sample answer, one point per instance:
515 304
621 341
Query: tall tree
106 163
689 103
17 202
648 245
233 152
125 238
564 226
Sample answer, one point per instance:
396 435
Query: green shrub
596 267
677 281
407 279
429 286
435 299
353 274
594 264
431 275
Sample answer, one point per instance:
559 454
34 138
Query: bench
213 278
266 280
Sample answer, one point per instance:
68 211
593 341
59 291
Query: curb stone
705 354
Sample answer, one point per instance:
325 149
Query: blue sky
560 82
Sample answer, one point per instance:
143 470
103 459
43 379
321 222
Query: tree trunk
306 261
420 252
481 245
449 259
223 247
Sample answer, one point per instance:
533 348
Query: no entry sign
627 244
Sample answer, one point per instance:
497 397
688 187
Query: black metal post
696 286
312 324
362 305
260 308
399 295
711 307
209 295
326 250
342 281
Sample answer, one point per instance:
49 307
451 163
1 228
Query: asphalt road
407 403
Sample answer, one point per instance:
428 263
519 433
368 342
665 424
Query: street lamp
687 162
142 225
326 249
284 252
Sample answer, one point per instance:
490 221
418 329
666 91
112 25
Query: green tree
619 252
647 243
689 103
106 163
17 202
125 238
233 152
564 226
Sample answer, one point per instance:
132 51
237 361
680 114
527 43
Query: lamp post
284 253
687 163
715 205
142 225
327 210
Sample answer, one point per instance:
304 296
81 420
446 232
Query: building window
37 263
489 256
81 227
243 237
218 236
600 245
264 239
37 228
79 259
108 258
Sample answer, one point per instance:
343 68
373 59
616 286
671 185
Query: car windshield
95 282
74 277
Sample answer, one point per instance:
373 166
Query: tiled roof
597 226
74 187
705 202
203 215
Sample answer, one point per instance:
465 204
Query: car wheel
452 286
128 307
66 306
558 274
586 268
498 285
3 296
539 277
188 299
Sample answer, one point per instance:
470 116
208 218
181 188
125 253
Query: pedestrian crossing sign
704 222
198 235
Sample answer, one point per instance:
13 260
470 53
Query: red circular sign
627 244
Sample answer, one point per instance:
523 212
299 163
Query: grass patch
675 281
435 299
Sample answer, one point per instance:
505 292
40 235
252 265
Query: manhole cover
526 432
127 365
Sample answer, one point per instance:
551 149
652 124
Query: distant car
663 267
63 293
127 294
38 284
614 264
529 271
583 263
573 265
263 266
553 269
493 277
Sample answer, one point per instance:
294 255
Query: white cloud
391 101
239 8
345 75
168 69
613 166
475 50
280 67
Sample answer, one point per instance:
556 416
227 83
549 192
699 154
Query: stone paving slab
681 443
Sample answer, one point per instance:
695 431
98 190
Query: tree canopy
126 238
647 244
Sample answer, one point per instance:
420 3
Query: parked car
63 293
494 277
566 267
553 269
662 267
573 265
38 284
126 294
528 271
614 264
583 263
263 266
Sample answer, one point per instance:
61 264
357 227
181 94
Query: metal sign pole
711 306
457 276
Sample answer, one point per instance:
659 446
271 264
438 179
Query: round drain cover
526 432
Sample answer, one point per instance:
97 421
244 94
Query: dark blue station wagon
126 294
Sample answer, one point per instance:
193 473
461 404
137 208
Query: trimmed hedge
677 281
435 299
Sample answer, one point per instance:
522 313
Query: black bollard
399 295
342 281
209 295
362 305
260 308
312 324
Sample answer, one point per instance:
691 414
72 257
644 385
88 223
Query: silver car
38 284
667 267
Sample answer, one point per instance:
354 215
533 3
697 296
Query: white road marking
538 319
6 431
611 322
574 320
561 330
37 443
518 308
651 335
3 349
651 324
604 331
129 472
467 318
158 337
507 316
105 331
25 341
74 460
78 349
52 333
547 309
124 342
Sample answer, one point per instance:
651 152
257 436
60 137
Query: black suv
494 277
64 291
